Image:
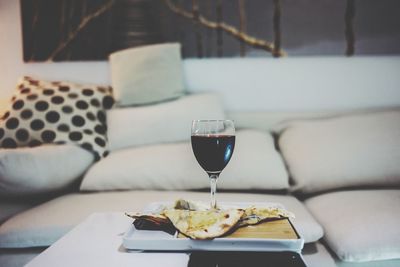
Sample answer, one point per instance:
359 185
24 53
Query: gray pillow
43 169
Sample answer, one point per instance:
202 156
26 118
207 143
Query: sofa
319 135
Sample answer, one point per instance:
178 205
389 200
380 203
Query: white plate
160 241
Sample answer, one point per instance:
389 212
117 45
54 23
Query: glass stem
213 183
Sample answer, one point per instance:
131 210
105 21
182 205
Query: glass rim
211 120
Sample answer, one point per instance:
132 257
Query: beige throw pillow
255 164
147 74
348 151
161 123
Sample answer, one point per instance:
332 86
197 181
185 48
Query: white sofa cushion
160 123
18 257
147 74
316 255
360 225
44 224
10 207
358 150
48 168
255 164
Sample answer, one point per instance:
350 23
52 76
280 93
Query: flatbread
254 215
182 204
195 220
204 224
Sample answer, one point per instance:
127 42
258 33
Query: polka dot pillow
57 112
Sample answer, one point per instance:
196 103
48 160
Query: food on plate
195 220
182 204
254 215
154 218
204 224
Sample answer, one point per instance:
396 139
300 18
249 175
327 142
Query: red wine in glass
213 142
213 152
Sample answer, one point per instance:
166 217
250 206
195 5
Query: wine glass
213 142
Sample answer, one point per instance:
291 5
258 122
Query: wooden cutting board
278 229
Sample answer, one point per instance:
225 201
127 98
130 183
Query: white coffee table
97 242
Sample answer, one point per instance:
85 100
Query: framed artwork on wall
74 30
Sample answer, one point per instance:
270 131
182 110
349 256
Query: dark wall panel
66 30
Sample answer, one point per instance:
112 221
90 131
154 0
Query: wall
11 63
277 84
308 27
10 44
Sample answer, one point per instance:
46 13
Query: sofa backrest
259 92
263 93
299 84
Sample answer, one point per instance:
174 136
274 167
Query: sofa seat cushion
316 255
9 207
44 224
360 225
18 257
29 171
385 263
